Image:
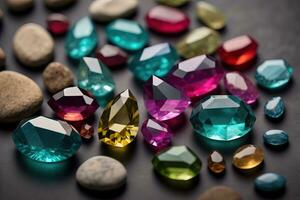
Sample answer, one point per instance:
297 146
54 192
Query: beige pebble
2 58
220 193
58 3
19 5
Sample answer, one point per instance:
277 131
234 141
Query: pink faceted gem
162 100
156 134
57 24
239 85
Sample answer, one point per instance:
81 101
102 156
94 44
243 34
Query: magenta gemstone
239 85
112 56
164 19
57 24
157 134
162 100
197 76
73 104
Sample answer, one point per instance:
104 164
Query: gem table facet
276 138
177 163
274 108
248 157
270 182
174 3
119 122
112 56
216 162
57 24
46 140
222 117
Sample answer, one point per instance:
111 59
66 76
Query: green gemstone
174 3
46 140
127 34
81 39
177 163
222 117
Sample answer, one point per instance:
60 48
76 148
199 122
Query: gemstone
81 39
196 76
174 3
73 104
239 85
46 140
86 131
210 15
274 108
119 122
154 60
57 24
164 19
238 52
220 193
270 182
274 74
216 162
127 34
111 56
94 76
248 157
276 138
199 41
162 100
177 163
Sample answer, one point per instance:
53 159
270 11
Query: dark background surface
274 23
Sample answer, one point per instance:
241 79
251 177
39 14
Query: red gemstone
57 24
164 19
238 52
111 56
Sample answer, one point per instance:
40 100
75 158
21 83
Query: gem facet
276 137
119 122
216 162
57 24
248 157
155 60
174 3
274 108
270 182
112 56
46 140
177 163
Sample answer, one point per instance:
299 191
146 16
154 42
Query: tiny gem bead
274 108
57 24
87 131
216 162
248 157
112 56
276 138
270 183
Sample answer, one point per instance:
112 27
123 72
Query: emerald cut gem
222 117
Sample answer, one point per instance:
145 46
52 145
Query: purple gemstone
156 134
239 85
162 100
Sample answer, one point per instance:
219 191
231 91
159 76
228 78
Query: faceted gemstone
276 137
196 76
216 162
270 182
238 52
157 134
119 122
154 60
248 157
46 140
94 76
82 39
87 131
274 108
222 117
177 163
127 34
112 56
273 74
199 41
73 104
210 15
239 85
57 24
174 3
164 19
162 100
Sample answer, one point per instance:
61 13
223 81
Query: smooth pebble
220 193
19 5
56 4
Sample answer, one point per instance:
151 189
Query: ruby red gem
164 19
57 24
111 56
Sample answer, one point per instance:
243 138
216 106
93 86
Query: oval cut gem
57 24
276 137
216 162
270 182
274 108
112 56
248 157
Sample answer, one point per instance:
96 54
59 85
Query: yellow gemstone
199 41
210 15
216 162
119 122
248 157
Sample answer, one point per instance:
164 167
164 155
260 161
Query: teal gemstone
156 60
276 137
222 117
127 34
273 74
274 108
270 182
46 140
81 39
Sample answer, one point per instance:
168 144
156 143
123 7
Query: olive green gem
174 3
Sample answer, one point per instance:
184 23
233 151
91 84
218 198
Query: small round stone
216 162
274 108
20 97
57 77
86 131
220 193
33 45
276 137
270 182
248 157
19 5
2 58
101 173
58 3
57 24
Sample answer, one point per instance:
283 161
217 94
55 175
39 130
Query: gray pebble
220 193
19 5
2 58
58 3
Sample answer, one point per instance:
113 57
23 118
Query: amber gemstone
216 162
248 157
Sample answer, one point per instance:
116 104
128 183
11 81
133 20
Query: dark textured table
274 23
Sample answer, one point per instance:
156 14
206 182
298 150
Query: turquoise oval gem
273 74
270 182
81 39
222 117
46 140
156 60
127 34
276 137
274 108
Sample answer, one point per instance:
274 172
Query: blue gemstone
276 137
270 182
274 108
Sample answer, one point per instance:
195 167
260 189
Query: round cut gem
270 183
248 157
111 56
216 162
174 3
276 137
274 108
57 24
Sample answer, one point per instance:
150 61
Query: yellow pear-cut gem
119 122
248 157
